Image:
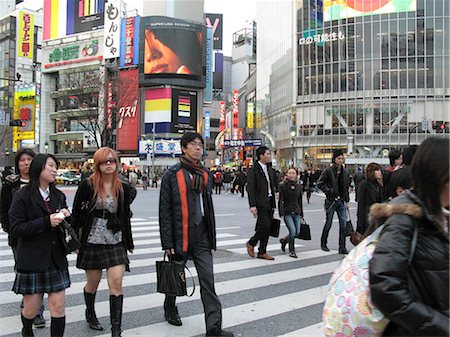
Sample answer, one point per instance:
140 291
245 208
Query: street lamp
293 134
46 147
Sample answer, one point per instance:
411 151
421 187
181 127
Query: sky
237 14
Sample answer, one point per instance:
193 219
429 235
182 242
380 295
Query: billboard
218 71
24 109
129 41
128 110
25 36
112 19
172 52
216 22
342 9
184 111
207 98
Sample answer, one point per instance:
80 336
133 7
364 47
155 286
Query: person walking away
308 184
144 182
358 178
218 180
101 211
370 192
414 295
242 181
12 184
227 179
41 264
291 209
335 182
188 230
261 198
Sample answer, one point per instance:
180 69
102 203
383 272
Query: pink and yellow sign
25 35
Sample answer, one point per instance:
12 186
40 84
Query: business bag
69 238
171 277
305 232
275 227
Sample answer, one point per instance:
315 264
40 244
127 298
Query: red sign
128 110
222 115
235 109
129 41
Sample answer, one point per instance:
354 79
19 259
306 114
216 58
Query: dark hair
429 172
260 151
36 167
19 154
370 170
337 153
393 155
408 154
189 137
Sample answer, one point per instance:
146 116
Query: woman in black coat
101 212
41 263
370 191
415 296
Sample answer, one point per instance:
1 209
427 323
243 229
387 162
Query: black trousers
262 230
200 252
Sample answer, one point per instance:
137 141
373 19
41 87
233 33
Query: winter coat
328 183
290 199
257 188
174 212
369 193
39 245
10 186
83 217
414 298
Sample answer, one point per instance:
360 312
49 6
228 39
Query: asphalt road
283 297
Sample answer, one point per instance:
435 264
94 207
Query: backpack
348 308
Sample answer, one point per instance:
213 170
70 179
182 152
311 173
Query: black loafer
343 251
172 316
219 333
324 248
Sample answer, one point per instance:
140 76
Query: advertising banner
184 111
128 110
168 147
222 116
227 143
158 110
24 109
209 71
218 71
207 125
129 42
235 109
25 36
111 48
250 115
216 22
342 9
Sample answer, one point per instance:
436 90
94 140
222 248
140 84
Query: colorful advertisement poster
216 22
24 109
111 48
128 110
207 125
207 98
129 41
250 115
342 9
158 110
218 71
184 111
25 36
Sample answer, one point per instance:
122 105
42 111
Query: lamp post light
46 147
293 134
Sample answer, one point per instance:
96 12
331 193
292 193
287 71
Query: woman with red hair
101 212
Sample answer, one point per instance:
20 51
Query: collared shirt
266 173
45 194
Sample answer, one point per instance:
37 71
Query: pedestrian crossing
260 298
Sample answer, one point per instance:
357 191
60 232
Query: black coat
257 188
328 183
37 242
173 209
10 186
415 299
290 199
84 205
369 193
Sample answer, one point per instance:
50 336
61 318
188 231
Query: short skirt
98 257
51 281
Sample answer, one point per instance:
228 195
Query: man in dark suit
261 197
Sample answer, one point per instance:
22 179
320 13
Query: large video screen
171 49
342 9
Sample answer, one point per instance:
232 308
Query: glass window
367 40
384 39
411 72
402 38
430 72
420 37
393 38
421 72
439 72
376 39
429 8
335 77
403 73
367 75
439 36
359 42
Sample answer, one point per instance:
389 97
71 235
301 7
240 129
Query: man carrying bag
187 228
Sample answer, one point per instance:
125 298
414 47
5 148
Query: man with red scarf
187 227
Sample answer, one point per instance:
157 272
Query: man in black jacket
335 182
188 230
261 197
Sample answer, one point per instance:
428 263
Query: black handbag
275 228
69 238
305 232
348 225
171 277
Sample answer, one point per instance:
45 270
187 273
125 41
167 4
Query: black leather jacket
415 298
328 183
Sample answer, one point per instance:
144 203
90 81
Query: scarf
198 182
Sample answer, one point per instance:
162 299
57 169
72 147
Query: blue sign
207 125
209 66
227 143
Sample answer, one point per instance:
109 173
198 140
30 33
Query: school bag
348 309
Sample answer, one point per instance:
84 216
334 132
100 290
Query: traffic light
439 126
17 122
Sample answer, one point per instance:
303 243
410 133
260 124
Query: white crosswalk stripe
250 290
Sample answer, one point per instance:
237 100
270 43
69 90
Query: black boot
292 248
171 311
91 317
27 329
115 312
283 242
57 326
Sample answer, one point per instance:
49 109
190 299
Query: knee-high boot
57 326
27 329
91 317
115 311
292 248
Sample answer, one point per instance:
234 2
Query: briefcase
275 228
171 277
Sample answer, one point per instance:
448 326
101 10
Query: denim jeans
227 187
337 206
292 222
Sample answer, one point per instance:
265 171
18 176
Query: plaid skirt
51 281
98 257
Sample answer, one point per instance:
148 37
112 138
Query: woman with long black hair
101 212
41 264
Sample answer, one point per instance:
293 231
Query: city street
283 297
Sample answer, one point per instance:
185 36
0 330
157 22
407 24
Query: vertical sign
250 115
112 30
216 22
25 36
109 106
129 41
222 115
259 115
209 65
235 109
207 125
128 110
